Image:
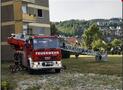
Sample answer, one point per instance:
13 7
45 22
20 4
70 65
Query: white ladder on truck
79 50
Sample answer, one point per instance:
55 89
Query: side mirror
27 44
12 35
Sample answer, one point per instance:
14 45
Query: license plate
49 63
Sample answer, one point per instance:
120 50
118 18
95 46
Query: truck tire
57 70
12 68
15 56
68 55
30 71
65 54
18 57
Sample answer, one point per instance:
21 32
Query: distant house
71 40
110 28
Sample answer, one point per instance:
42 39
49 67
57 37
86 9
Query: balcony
28 18
31 1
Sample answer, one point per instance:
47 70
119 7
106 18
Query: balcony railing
31 1
28 18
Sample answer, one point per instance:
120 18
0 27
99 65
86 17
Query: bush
5 85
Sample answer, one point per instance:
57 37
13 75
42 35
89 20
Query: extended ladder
78 50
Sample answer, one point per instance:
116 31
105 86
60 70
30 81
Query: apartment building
30 16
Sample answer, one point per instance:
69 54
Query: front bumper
45 65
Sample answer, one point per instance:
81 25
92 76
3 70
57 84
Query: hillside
72 27
76 27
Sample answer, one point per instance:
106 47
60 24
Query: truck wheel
12 68
57 70
65 54
31 71
15 56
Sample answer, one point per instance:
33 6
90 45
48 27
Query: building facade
30 16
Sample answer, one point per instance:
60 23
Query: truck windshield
40 43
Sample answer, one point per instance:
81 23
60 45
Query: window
25 27
39 12
24 8
29 31
38 31
39 43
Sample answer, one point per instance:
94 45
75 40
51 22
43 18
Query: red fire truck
37 51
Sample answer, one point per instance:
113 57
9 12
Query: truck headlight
59 63
35 63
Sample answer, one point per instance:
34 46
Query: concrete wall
12 22
6 32
6 53
7 13
43 19
40 30
42 2
5 0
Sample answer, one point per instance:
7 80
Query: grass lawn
81 65
87 64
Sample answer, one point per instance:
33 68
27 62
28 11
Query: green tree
99 44
116 42
108 47
91 35
117 46
53 29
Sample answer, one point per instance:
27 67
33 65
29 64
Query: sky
61 10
